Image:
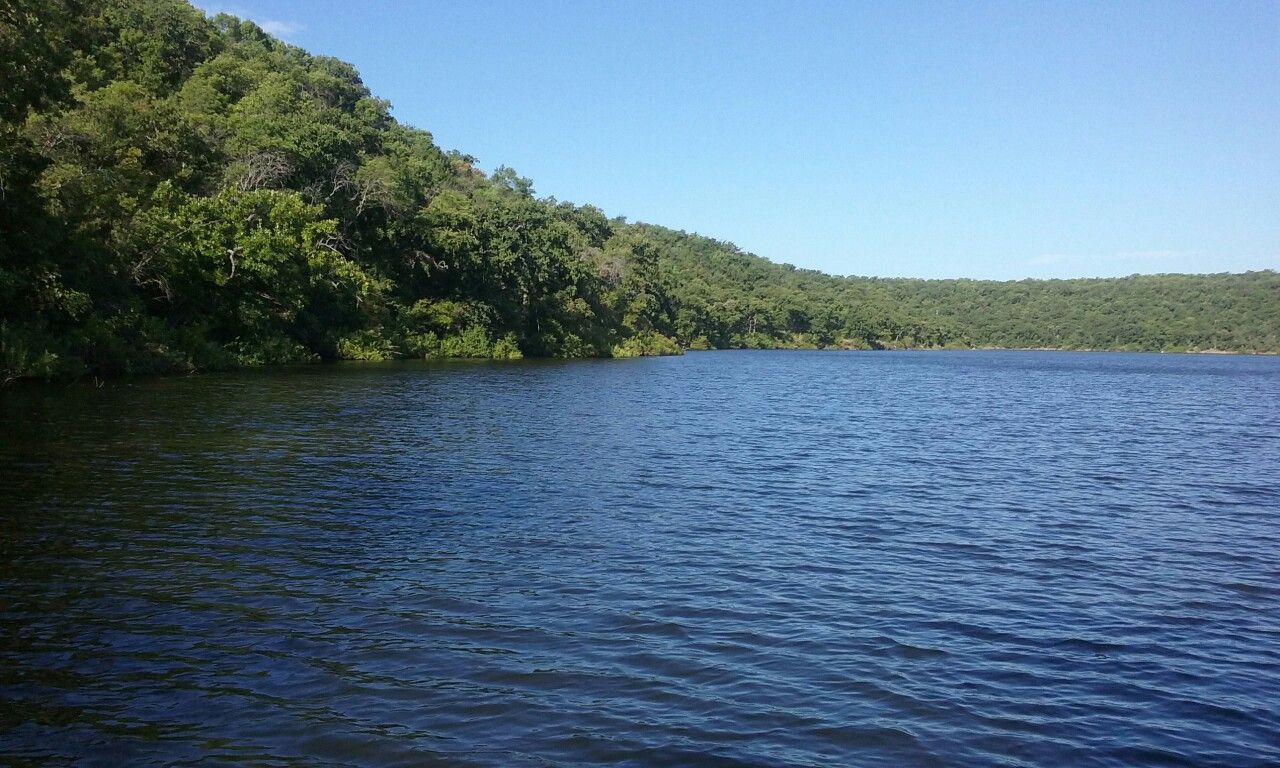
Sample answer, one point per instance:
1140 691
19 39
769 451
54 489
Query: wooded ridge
183 193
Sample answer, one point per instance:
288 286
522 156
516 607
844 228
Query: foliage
647 344
183 193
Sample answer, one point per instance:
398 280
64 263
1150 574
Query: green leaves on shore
183 193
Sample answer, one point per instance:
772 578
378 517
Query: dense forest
182 193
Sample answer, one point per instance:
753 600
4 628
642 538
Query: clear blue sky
993 140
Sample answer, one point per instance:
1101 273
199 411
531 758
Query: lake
721 559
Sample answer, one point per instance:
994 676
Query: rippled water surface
735 558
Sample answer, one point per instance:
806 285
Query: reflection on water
721 559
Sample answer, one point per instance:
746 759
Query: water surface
736 559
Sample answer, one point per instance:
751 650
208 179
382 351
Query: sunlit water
736 558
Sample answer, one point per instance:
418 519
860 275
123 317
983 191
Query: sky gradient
995 140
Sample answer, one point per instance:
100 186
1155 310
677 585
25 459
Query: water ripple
733 559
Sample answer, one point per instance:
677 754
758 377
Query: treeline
735 299
185 193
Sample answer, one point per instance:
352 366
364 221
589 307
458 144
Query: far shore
990 349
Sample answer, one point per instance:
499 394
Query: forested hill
188 193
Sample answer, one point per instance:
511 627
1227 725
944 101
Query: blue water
724 559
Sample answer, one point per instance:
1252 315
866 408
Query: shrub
648 344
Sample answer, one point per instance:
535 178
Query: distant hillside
183 193
783 304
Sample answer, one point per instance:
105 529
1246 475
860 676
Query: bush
26 354
248 353
648 344
506 348
369 345
472 342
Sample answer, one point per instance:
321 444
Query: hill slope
183 193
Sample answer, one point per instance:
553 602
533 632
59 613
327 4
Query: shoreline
97 380
993 349
1125 351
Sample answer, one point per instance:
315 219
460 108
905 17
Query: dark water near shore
990 558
